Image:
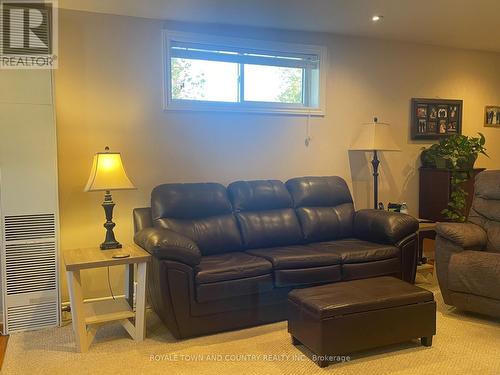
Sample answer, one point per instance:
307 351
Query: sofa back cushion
324 207
199 211
264 212
485 210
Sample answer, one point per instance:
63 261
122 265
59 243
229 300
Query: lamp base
111 245
375 164
110 241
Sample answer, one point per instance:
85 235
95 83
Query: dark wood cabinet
435 192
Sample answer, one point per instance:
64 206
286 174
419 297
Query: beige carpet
464 344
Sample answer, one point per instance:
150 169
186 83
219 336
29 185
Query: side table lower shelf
107 311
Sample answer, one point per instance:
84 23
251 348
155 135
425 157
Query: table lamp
375 136
108 174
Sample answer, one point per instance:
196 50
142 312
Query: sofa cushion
375 268
269 228
295 277
357 251
297 256
318 191
324 207
255 285
259 195
299 265
201 212
326 223
265 214
189 201
230 266
485 210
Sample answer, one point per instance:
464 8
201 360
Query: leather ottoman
338 319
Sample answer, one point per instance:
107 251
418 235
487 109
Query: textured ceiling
471 24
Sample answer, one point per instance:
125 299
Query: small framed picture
432 127
422 111
492 116
452 127
422 125
442 127
437 118
433 112
453 112
443 111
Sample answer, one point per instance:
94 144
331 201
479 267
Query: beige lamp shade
375 136
108 173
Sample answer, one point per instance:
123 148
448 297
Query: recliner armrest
383 226
167 244
465 235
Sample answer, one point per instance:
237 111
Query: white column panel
28 201
26 86
28 162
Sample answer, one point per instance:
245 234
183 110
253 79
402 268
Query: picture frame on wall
436 118
492 116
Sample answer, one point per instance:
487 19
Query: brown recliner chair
468 254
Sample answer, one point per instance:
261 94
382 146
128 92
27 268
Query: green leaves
454 152
458 197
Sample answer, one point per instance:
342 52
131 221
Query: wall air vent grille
32 316
30 267
30 272
29 227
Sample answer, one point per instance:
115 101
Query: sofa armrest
465 235
167 244
383 226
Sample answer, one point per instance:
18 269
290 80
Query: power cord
308 139
110 289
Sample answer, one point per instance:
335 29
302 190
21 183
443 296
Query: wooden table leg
77 310
140 302
420 249
129 284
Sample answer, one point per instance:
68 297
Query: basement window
216 73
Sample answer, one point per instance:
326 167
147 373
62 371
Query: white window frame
244 106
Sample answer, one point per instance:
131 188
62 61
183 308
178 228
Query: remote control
120 256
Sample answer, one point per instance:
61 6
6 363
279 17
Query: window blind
211 52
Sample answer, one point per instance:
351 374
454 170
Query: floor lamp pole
375 163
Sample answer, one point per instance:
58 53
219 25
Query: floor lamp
374 137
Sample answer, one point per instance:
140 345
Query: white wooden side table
86 316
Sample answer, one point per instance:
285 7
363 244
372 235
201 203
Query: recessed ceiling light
377 18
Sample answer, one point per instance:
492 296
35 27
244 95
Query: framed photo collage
435 118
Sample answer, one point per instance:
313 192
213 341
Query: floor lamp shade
375 136
108 174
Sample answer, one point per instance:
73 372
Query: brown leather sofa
468 254
226 258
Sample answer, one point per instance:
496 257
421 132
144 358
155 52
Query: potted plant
457 153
